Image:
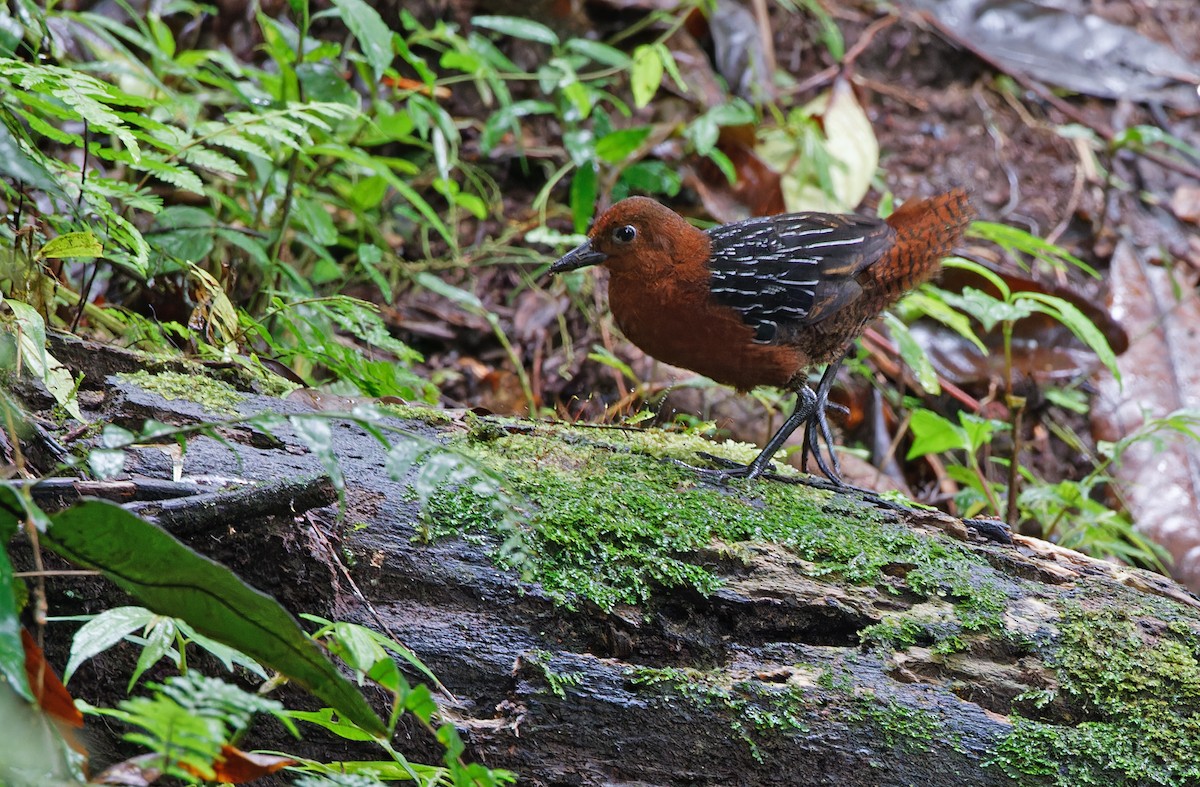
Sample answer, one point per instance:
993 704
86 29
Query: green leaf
517 27
369 29
315 220
601 53
601 354
1015 239
616 146
938 309
646 75
178 176
913 355
31 341
184 233
170 579
703 132
323 82
650 177
468 300
988 310
933 434
978 431
22 167
338 726
71 244
102 632
317 434
160 639
1079 324
583 196
12 652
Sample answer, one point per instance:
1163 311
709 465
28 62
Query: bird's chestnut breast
676 321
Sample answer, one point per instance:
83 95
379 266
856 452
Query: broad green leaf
13 509
583 196
601 53
616 146
978 431
517 27
464 298
933 434
646 75
324 82
1079 324
169 578
988 310
31 341
340 726
71 244
938 309
12 653
102 632
914 355
184 233
650 177
35 753
22 167
315 220
849 144
1015 239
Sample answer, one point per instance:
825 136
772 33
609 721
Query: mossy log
655 627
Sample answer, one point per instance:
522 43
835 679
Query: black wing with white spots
793 269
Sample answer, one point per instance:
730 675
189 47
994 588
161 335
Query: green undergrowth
610 520
1136 684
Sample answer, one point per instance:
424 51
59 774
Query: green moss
756 708
427 415
213 395
609 522
753 707
899 726
1137 692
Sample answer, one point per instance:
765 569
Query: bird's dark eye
625 234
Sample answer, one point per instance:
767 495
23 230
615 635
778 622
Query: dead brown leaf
1159 479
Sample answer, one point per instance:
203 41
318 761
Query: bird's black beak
580 257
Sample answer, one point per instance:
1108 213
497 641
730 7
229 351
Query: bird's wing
793 269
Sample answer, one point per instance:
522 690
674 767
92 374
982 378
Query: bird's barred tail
926 231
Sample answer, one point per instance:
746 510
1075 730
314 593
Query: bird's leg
816 427
806 400
810 412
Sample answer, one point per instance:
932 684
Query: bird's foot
729 468
816 429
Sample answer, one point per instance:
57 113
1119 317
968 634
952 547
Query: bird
762 301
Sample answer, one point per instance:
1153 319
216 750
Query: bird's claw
816 429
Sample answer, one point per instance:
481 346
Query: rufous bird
762 301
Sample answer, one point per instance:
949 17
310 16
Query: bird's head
637 235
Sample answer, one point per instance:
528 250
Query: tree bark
861 643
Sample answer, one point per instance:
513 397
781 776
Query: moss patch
1136 686
757 708
609 522
213 395
754 708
